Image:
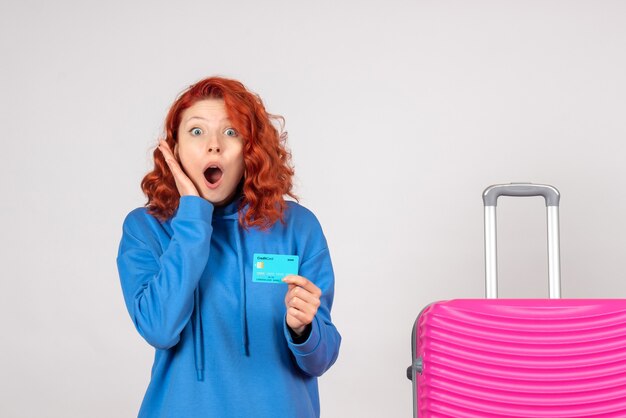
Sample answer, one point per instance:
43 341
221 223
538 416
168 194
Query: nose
214 145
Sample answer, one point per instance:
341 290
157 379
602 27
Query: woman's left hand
302 300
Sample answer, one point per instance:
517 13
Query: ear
176 151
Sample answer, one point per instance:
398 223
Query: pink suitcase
520 357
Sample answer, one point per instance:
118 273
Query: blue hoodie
223 348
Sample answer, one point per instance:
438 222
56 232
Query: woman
230 283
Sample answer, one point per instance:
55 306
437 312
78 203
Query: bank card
272 268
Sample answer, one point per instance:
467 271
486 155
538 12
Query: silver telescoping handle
490 199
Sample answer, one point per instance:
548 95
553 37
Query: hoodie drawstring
198 338
198 350
243 311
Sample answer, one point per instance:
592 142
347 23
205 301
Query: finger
292 317
165 149
303 282
288 293
167 153
169 158
176 169
183 183
305 295
306 284
305 307
300 317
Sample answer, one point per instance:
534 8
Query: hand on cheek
184 185
302 301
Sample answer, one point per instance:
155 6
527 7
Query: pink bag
520 357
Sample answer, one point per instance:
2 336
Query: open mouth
213 174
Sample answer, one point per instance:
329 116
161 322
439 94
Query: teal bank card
271 268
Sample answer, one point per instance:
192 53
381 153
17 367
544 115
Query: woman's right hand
184 185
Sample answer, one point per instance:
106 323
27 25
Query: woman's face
210 150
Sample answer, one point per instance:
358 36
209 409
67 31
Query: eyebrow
204 119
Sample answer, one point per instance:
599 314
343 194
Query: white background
399 114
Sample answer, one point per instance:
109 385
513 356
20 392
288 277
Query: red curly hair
267 161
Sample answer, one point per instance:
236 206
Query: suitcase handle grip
549 193
490 199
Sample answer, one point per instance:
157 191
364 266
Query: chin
218 199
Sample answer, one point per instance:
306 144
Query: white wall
399 114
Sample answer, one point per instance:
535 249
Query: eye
230 132
195 131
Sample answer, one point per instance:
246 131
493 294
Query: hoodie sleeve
315 355
159 287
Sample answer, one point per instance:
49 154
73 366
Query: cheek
238 161
242 165
188 159
238 168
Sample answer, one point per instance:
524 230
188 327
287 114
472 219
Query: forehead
211 110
